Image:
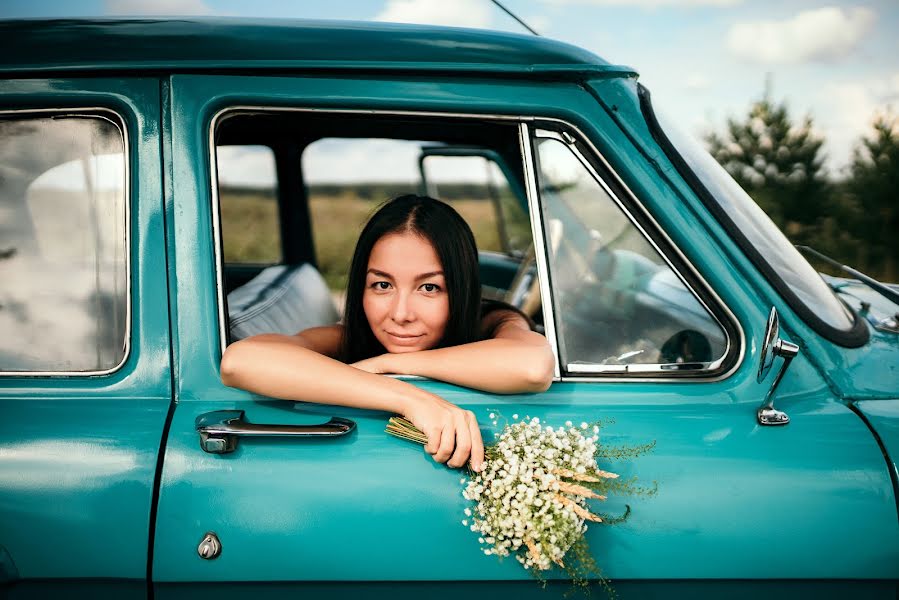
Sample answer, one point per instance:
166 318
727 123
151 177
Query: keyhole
210 547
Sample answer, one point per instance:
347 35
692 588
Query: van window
339 169
248 199
619 306
476 187
63 244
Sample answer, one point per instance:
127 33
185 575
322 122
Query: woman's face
405 298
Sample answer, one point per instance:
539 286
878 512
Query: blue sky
704 60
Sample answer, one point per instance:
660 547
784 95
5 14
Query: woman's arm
514 360
300 367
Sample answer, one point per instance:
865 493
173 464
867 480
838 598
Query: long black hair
451 237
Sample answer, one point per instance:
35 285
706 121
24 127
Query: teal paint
277 45
807 508
302 511
884 418
78 454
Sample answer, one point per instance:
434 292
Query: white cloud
847 110
649 3
252 166
696 82
822 34
158 7
458 13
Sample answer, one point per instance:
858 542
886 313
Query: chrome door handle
219 430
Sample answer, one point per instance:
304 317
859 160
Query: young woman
413 307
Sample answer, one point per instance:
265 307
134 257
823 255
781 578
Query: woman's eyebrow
429 274
380 273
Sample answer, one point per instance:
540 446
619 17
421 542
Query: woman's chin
403 349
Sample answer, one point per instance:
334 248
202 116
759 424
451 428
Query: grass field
251 235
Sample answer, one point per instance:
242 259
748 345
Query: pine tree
874 187
779 164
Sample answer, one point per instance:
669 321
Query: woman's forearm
497 365
277 367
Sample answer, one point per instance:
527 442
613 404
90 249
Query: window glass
248 200
63 262
760 230
619 305
477 188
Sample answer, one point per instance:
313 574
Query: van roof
56 46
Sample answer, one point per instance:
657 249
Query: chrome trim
220 430
363 111
585 367
645 213
521 119
215 208
540 255
772 347
119 122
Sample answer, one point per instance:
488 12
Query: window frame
119 121
856 336
586 153
735 352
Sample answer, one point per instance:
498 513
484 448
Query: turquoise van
168 187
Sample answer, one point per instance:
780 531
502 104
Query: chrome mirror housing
772 347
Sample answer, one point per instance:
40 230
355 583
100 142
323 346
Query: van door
365 512
85 381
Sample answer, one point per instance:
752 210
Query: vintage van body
117 300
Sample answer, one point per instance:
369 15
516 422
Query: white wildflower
528 501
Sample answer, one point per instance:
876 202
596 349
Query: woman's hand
453 434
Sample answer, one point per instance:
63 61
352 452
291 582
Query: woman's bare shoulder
324 340
497 316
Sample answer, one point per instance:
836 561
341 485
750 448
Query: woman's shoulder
496 313
326 339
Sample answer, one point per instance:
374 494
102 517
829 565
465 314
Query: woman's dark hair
454 243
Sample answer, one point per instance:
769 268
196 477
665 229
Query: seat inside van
281 299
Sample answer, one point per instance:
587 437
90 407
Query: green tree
874 189
780 164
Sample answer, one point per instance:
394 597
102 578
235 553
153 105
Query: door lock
210 547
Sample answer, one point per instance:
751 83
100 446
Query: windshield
760 232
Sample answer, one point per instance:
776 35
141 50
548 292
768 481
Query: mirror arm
767 414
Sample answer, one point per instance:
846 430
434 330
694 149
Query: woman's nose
401 311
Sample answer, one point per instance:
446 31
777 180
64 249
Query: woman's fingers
453 434
447 443
477 443
433 435
463 442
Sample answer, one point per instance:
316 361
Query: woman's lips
404 339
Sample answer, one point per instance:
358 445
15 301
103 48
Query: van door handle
220 430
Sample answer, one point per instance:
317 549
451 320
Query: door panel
79 453
373 513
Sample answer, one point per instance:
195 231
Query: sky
703 60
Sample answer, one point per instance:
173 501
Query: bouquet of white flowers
531 497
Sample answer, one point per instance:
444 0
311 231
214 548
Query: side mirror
773 347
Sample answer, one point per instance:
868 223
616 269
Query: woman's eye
430 288
381 285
